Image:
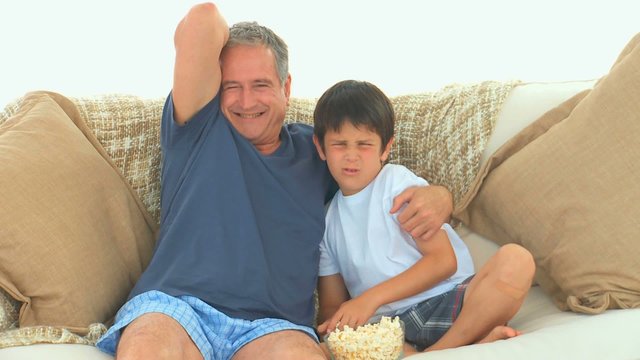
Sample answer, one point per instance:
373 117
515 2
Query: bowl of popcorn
380 340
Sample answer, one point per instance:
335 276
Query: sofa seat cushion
609 335
54 352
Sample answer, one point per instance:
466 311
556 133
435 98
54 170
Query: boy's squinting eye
365 144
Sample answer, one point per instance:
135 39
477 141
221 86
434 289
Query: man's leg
156 336
281 345
492 298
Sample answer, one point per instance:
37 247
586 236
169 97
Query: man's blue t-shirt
239 230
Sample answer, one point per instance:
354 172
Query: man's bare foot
500 333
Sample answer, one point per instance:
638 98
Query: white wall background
126 46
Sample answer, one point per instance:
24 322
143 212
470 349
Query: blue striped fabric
217 336
426 322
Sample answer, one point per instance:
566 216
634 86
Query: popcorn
380 341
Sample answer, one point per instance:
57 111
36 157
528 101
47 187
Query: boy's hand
427 208
354 313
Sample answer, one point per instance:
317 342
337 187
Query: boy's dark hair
358 102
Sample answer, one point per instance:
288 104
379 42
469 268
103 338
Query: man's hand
427 209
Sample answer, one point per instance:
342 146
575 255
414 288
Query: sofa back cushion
440 135
525 104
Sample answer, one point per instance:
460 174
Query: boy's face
354 155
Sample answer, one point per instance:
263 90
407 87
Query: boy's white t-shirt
366 245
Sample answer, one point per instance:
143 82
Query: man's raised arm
199 39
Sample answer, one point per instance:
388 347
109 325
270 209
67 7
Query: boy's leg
408 349
492 298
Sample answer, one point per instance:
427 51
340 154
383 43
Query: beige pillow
73 234
566 188
128 128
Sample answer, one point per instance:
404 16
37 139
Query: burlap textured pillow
74 238
439 135
8 311
128 128
567 189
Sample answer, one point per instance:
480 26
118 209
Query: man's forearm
199 39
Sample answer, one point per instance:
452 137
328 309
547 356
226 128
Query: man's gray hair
252 34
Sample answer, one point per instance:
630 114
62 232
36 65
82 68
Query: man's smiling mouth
249 116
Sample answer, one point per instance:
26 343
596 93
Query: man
236 263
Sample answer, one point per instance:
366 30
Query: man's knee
156 336
149 326
304 346
314 352
285 345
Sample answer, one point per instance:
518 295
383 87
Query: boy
370 266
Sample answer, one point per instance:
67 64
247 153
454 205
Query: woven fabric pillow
74 236
128 128
8 311
439 135
566 188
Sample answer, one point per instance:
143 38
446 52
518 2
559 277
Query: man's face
252 97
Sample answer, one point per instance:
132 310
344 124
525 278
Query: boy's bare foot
500 333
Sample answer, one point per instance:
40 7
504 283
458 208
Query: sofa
549 165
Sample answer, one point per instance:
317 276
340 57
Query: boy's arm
437 264
332 292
